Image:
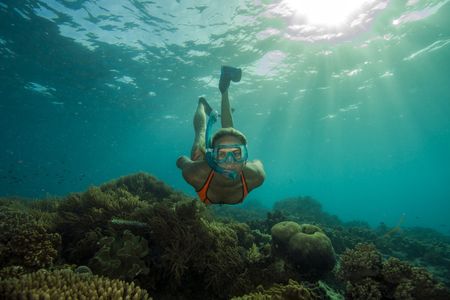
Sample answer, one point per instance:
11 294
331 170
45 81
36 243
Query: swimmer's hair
227 132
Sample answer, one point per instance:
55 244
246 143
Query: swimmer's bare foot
206 105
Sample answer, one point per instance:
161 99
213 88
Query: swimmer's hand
182 161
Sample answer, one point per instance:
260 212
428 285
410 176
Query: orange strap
202 192
244 185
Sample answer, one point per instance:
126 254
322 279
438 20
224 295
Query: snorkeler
218 168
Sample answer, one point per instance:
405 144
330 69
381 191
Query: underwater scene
240 149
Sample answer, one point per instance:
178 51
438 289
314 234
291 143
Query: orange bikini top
204 190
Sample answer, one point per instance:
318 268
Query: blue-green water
356 117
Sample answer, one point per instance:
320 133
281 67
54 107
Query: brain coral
305 245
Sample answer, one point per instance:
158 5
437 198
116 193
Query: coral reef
138 229
412 282
65 284
368 277
304 245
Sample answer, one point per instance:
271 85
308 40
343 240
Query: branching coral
187 245
223 263
64 284
366 289
178 238
25 241
362 261
412 282
367 277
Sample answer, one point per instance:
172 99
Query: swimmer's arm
183 162
258 175
191 171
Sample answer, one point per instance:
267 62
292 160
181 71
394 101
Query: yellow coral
65 284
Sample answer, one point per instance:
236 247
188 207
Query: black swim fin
228 74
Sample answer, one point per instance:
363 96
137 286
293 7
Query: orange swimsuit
202 192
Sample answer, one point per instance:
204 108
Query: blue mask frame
231 156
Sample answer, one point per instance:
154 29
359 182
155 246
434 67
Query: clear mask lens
230 153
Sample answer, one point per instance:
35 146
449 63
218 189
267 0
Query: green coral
121 256
306 246
65 284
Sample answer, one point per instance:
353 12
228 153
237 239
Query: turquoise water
356 116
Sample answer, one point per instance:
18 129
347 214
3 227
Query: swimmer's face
225 152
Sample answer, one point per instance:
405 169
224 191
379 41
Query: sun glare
331 13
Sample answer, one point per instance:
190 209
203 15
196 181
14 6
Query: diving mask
232 153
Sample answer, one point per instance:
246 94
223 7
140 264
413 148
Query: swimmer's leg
206 105
227 118
198 147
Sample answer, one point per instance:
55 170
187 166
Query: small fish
118 221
